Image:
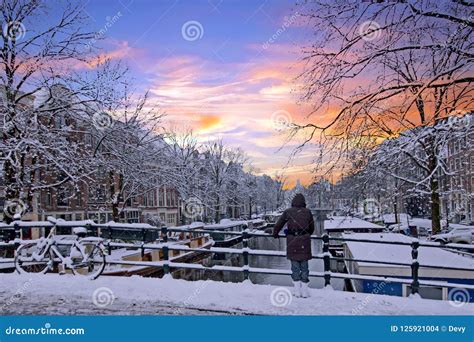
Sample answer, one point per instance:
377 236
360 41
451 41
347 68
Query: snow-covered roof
224 224
349 223
257 221
193 225
131 226
401 253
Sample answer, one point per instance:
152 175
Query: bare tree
219 163
129 144
381 69
31 63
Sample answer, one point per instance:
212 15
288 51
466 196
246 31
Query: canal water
273 262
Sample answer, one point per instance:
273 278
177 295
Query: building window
78 199
133 216
62 198
47 199
161 195
171 219
149 199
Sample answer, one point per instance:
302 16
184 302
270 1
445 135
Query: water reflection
263 243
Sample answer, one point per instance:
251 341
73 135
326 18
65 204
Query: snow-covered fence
167 265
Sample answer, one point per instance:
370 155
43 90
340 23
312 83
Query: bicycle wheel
30 258
92 264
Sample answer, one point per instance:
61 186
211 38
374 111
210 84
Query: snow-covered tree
68 121
383 68
220 163
40 102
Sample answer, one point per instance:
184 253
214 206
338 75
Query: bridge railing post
415 266
166 253
245 254
326 260
17 229
109 248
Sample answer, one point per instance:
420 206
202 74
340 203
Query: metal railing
245 269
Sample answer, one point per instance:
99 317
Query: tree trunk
217 216
434 187
435 207
114 196
11 191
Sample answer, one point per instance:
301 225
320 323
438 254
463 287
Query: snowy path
52 294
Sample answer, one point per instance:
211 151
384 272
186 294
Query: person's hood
298 201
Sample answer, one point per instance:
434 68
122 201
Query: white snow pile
68 294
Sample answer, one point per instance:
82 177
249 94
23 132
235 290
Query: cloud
234 101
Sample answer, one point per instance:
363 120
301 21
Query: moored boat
186 238
222 232
449 267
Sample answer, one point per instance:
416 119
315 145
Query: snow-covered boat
272 218
257 223
337 225
449 267
222 229
341 224
186 238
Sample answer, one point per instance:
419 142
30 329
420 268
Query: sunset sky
233 80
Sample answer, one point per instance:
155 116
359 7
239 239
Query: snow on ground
53 294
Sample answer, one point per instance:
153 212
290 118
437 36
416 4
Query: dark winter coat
300 225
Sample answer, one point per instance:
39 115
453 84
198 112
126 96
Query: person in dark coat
300 225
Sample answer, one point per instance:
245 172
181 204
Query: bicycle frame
49 244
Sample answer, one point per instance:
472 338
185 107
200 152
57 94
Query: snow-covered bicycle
82 255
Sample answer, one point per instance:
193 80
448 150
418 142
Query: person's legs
304 267
296 276
295 270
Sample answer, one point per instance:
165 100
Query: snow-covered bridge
134 294
52 294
